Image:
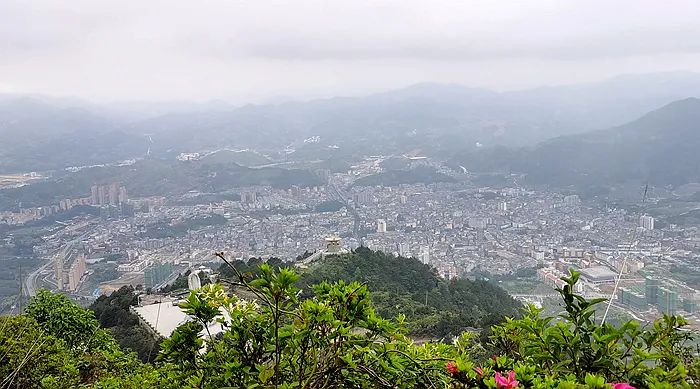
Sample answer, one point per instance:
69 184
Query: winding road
30 282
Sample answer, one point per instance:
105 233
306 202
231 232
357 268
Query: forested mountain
155 177
436 118
659 148
434 307
40 133
333 338
113 314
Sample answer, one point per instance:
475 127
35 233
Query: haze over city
325 194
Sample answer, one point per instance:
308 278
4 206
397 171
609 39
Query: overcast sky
259 50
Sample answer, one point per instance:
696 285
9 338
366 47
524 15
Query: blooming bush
574 351
335 339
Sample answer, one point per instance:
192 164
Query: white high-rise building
381 226
403 249
646 222
425 254
572 200
59 270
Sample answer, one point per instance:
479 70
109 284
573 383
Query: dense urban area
358 195
524 239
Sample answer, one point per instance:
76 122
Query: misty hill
420 174
42 133
430 116
661 147
613 102
242 157
433 117
152 177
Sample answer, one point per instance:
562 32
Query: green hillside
112 312
153 177
418 175
334 338
243 158
659 148
434 307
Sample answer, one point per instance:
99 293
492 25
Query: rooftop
598 273
166 316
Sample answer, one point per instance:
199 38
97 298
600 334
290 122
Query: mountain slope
434 117
435 307
46 134
661 148
619 100
440 119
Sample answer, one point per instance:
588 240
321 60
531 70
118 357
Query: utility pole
21 289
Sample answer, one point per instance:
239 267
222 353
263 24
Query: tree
113 313
58 316
335 339
578 346
30 357
57 344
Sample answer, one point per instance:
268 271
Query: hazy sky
256 50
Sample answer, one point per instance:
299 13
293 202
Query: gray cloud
251 50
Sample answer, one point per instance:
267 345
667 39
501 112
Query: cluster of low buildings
456 227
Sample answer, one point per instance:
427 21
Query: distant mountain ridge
443 116
47 133
660 148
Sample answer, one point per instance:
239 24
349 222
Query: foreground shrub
573 345
57 344
334 339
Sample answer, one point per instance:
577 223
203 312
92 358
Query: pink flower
507 383
479 371
452 368
622 385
